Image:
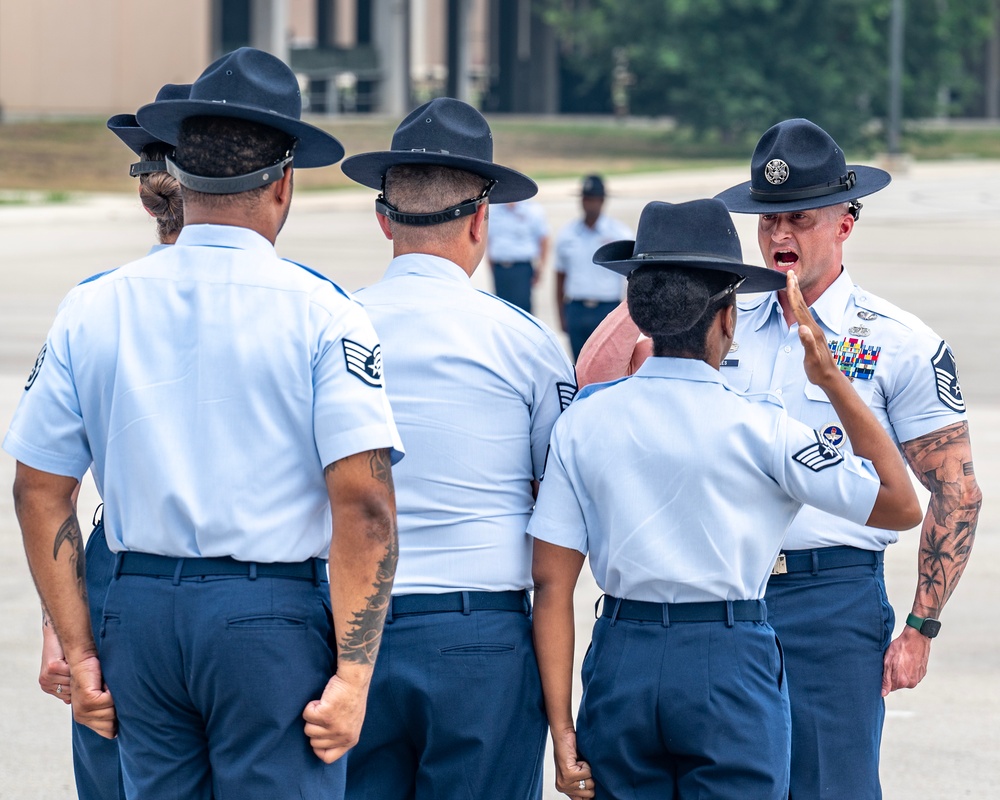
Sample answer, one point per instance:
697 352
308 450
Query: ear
477 227
283 187
383 223
845 227
728 321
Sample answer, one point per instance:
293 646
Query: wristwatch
928 626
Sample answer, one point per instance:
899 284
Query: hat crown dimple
810 155
699 227
259 80
449 126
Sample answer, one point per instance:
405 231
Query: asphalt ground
928 243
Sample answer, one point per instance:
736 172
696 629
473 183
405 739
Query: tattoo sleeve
69 532
361 642
942 462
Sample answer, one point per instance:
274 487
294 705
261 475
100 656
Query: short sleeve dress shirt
680 489
574 256
208 384
902 370
516 231
475 386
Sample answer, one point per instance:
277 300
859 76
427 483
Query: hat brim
315 148
868 181
617 256
135 137
369 168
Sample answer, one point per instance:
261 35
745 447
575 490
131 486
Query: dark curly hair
671 306
222 147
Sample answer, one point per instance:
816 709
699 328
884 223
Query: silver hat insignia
776 171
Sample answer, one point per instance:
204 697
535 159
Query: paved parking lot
928 243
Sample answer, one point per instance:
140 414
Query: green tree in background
735 67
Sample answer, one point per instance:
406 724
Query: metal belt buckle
780 566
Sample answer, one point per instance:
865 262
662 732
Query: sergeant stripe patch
364 363
819 456
946 376
567 391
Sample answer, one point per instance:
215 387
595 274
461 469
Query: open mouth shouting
785 260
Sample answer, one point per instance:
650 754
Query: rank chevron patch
567 391
364 363
946 376
819 456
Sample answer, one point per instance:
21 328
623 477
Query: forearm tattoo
381 465
361 642
69 532
942 462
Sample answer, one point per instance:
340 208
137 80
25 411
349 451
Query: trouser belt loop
614 614
666 614
815 562
527 604
388 613
466 610
729 614
597 606
252 573
119 560
317 571
177 571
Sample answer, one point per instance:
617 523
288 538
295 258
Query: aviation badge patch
38 366
833 434
854 358
567 391
946 375
820 455
364 363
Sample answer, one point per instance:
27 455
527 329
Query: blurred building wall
97 56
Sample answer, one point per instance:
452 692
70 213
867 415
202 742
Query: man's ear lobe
477 228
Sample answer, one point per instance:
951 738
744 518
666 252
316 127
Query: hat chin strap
463 209
232 185
842 184
144 167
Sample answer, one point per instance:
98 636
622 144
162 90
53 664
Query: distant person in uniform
585 293
517 247
96 762
455 709
680 490
231 408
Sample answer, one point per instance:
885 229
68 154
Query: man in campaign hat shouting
230 406
476 384
827 598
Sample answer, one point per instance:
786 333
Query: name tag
730 362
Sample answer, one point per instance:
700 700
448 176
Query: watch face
930 628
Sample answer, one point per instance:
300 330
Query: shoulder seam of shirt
98 275
321 276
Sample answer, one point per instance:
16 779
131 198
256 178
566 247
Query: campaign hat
127 128
699 234
797 166
443 132
246 84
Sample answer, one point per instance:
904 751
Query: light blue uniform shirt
209 383
475 386
680 488
516 231
902 370
575 248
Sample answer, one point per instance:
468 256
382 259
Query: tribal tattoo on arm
361 642
942 462
70 532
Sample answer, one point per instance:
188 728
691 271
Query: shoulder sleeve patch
819 456
38 366
363 363
946 377
567 391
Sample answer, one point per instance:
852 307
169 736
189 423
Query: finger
329 755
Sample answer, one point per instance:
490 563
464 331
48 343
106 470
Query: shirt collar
830 306
230 236
690 369
427 266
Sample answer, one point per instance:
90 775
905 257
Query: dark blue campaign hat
797 166
593 186
251 85
699 235
444 132
126 127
